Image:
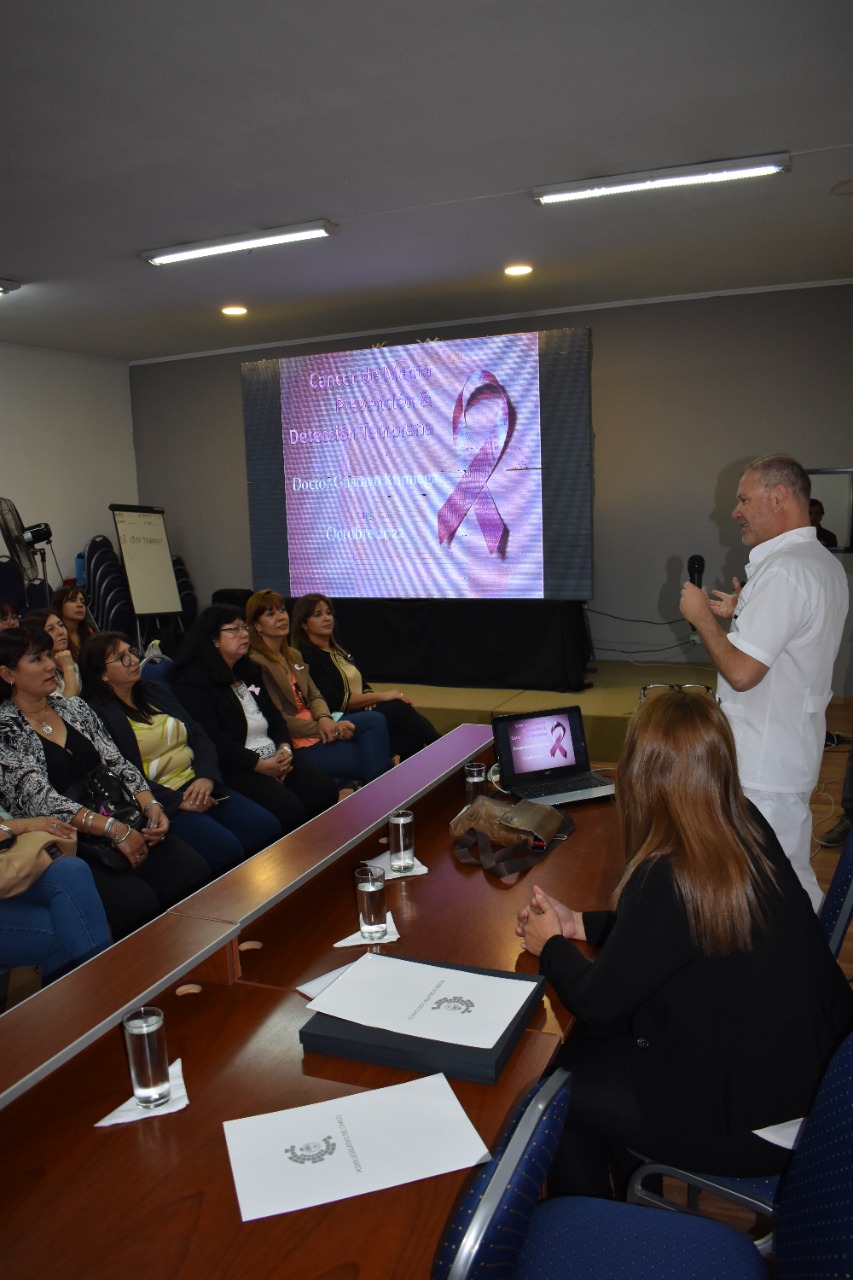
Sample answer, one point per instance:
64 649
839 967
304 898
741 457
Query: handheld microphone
695 569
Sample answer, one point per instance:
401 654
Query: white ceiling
419 129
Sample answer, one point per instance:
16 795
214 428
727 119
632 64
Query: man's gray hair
781 468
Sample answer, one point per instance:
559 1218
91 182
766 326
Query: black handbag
103 792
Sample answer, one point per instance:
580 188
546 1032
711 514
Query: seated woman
48 747
67 671
69 603
154 732
9 616
224 691
714 1003
50 912
341 683
356 748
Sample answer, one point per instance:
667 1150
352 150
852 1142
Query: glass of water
401 840
370 892
145 1038
475 781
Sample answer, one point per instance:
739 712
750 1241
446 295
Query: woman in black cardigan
342 685
223 690
154 732
714 1003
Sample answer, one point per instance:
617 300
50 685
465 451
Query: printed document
452 1005
367 1141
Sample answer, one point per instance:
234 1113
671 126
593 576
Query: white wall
683 394
67 445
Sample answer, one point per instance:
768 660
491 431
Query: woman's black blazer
216 707
712 1043
205 761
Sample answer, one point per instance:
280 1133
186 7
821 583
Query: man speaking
775 662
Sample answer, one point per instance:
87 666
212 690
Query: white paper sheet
383 860
357 940
314 986
130 1111
451 1005
784 1134
288 1160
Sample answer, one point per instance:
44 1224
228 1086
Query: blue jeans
227 833
58 922
362 758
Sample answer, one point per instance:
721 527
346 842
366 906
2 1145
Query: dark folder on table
341 1039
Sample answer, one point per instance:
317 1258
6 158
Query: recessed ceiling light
234 311
240 244
518 269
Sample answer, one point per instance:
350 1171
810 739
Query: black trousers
408 730
606 1123
305 792
134 896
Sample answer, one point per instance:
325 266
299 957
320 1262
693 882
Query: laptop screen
545 744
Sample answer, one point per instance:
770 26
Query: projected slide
457 469
415 470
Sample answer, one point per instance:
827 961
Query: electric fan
22 541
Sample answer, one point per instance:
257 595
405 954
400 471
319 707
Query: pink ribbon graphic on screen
557 744
479 448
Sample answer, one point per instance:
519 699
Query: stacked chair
109 596
106 587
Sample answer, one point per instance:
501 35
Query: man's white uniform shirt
790 616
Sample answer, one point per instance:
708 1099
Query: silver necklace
44 727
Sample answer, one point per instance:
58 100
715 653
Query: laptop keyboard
582 783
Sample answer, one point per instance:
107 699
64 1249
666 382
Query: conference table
157 1196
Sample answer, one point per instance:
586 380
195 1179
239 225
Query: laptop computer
542 755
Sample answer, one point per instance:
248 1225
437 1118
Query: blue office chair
501 1230
837 907
813 1200
488 1227
590 1239
157 668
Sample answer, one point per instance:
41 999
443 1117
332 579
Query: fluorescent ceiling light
518 269
690 175
240 244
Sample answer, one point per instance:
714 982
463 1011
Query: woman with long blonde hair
714 1003
354 748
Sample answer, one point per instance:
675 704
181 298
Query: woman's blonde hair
257 605
678 797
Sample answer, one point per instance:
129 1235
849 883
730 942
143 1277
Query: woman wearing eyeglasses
49 747
154 732
67 671
714 1002
223 690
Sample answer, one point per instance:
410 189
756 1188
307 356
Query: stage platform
606 706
